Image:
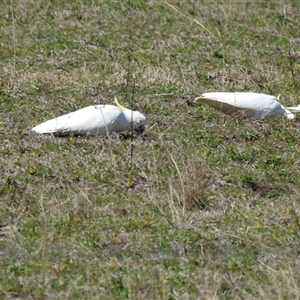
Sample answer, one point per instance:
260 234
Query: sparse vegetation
202 205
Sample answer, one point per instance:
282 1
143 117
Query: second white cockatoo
97 120
249 104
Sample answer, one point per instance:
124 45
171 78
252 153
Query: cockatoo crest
119 105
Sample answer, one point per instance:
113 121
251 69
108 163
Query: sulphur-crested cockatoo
95 120
252 105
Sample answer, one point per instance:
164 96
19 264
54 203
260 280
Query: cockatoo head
136 120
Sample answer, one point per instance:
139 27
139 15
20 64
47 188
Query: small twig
132 131
232 282
292 69
14 44
295 215
185 14
130 81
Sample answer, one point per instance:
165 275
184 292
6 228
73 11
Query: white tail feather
294 108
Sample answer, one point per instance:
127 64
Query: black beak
140 129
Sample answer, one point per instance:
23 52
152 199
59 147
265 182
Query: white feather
95 120
294 108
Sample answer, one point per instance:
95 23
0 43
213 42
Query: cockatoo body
95 120
252 105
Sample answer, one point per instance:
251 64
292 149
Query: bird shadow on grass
28 134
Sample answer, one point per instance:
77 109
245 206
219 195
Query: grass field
200 206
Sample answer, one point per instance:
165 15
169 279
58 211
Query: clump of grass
196 189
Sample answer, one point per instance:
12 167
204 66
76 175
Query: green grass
202 205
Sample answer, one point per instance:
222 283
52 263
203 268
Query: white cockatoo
97 120
251 105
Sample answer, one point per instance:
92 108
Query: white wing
218 105
251 104
96 120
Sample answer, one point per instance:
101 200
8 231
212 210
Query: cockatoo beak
140 129
119 105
